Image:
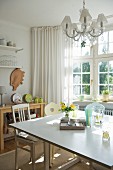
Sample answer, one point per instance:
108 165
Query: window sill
108 105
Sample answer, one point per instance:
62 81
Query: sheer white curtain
48 63
68 69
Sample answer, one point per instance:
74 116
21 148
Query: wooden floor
9 146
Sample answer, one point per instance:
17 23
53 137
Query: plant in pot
105 95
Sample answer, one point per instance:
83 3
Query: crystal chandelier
86 28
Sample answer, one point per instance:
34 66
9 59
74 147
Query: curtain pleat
47 63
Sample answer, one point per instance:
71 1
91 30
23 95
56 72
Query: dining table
87 143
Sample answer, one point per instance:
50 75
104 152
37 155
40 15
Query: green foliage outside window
86 78
111 78
81 76
85 67
105 76
103 66
86 89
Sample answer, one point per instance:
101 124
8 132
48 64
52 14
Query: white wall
21 36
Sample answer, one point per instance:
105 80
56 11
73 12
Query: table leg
46 155
42 110
1 131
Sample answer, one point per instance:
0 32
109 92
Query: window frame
94 60
98 60
90 60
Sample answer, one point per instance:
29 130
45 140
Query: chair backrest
51 108
21 112
96 107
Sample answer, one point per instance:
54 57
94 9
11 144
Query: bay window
93 66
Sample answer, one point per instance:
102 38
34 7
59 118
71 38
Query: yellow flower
63 106
61 103
72 106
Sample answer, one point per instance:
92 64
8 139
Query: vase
67 114
74 115
105 97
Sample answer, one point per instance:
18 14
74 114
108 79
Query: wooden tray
66 126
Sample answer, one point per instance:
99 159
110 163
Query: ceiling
30 13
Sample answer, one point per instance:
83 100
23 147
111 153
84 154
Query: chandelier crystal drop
86 28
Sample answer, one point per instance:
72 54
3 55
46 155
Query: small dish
16 98
71 123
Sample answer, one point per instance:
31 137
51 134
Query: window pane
103 38
110 47
77 51
86 89
103 49
76 90
88 42
85 67
111 66
86 51
77 79
103 66
85 78
81 78
76 67
110 36
101 88
111 78
111 89
103 78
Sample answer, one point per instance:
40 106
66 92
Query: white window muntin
91 75
97 72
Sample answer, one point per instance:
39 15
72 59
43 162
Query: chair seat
27 136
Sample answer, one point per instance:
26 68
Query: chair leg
16 156
53 151
51 156
33 156
50 163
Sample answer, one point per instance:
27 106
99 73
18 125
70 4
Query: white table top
86 142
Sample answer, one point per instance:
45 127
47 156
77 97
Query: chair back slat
22 115
21 112
19 116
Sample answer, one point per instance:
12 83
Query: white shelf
10 66
10 48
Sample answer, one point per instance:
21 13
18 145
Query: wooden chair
21 112
51 109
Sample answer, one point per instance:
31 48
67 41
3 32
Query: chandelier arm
71 36
96 35
82 32
77 38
